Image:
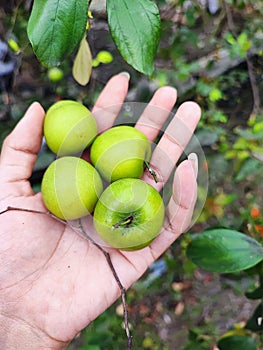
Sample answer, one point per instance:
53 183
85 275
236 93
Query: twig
254 88
105 253
230 21
251 75
9 208
117 279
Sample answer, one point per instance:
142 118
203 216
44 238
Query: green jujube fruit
69 128
70 188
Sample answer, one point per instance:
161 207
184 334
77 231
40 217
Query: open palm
53 282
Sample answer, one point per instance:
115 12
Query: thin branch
254 87
105 253
252 78
117 279
10 208
230 21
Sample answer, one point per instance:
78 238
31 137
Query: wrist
17 334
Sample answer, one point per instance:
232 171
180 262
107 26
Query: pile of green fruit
128 213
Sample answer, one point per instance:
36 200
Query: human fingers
20 148
181 206
172 144
183 199
157 111
110 101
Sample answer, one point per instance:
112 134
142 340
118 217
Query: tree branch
254 87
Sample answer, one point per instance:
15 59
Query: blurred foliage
212 52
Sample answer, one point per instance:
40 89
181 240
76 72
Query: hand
53 282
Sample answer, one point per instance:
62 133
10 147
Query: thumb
20 148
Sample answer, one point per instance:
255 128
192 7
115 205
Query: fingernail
31 106
168 90
194 161
125 74
34 107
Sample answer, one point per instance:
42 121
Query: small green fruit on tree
69 127
129 214
120 152
70 188
55 74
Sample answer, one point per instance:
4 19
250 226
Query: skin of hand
53 282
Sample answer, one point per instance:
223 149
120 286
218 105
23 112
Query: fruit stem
151 171
125 222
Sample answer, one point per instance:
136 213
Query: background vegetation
212 52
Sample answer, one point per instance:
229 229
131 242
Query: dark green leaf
56 27
135 29
224 251
255 323
256 293
237 342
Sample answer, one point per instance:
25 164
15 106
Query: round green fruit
120 152
55 74
70 188
69 127
129 214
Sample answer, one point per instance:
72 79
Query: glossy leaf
82 66
224 251
56 27
255 323
135 28
237 342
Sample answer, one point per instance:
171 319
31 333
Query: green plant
188 35
134 26
224 251
229 251
238 46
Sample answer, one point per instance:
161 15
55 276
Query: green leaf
230 39
237 342
224 251
258 127
55 28
135 29
244 42
255 323
215 95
